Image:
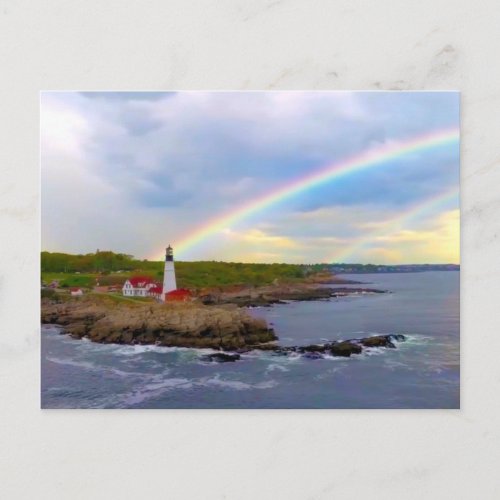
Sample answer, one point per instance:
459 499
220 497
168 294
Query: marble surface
259 44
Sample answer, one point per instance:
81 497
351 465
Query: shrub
48 293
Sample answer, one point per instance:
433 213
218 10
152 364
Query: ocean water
423 372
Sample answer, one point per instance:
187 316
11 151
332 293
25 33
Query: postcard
237 250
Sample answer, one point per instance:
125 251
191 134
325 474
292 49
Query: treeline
201 274
99 262
189 274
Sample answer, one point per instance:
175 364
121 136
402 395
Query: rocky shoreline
279 294
224 325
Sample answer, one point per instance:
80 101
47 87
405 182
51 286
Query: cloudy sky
132 172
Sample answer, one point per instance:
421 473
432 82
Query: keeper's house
140 286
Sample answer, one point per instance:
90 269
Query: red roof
156 289
73 289
179 294
140 281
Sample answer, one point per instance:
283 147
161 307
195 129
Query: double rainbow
361 162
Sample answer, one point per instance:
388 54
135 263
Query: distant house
179 295
75 292
138 286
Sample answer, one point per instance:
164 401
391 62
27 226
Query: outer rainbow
397 223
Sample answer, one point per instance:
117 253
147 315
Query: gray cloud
132 170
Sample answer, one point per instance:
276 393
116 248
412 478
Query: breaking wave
158 385
89 366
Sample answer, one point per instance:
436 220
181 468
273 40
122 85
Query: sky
132 172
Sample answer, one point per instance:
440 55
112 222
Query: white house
138 286
75 292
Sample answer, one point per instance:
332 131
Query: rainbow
358 163
397 223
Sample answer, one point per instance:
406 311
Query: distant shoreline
417 268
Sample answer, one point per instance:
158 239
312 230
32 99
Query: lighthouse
169 273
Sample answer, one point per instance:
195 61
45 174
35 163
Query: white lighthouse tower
169 273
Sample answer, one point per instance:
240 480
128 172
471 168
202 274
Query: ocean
423 372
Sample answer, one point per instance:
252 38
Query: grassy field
114 297
189 274
118 297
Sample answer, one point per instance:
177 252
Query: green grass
70 279
206 274
115 297
189 274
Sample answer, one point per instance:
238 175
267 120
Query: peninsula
223 327
138 310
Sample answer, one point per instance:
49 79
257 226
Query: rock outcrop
338 348
220 357
104 320
342 348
